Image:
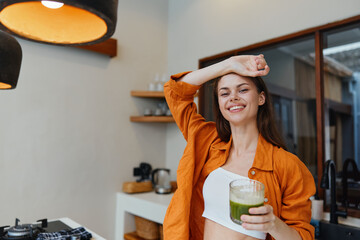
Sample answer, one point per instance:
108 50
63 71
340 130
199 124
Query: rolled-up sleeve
180 99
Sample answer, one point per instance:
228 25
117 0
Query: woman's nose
234 97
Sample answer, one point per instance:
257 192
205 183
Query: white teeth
236 107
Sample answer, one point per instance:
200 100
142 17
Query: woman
243 143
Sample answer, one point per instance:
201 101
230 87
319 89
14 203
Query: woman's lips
236 108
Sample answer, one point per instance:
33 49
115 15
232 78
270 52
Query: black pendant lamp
10 61
61 22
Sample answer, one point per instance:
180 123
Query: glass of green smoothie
245 194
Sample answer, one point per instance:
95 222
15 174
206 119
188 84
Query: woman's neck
244 138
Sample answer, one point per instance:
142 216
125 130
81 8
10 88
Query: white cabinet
148 205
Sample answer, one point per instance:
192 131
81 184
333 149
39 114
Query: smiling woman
242 143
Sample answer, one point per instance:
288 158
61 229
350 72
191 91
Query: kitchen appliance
144 171
161 180
32 231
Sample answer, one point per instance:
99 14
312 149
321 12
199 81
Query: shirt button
266 200
252 172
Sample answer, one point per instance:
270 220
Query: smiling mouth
236 108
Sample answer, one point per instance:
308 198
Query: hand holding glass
245 194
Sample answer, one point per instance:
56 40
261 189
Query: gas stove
30 231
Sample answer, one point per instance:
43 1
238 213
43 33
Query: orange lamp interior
65 25
4 85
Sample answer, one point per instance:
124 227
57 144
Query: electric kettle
161 180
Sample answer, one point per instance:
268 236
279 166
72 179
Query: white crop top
216 201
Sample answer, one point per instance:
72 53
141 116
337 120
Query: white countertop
71 223
148 205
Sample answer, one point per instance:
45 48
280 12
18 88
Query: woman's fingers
262 72
262 219
258 218
265 71
261 210
262 68
260 62
264 227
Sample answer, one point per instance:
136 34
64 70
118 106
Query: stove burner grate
22 231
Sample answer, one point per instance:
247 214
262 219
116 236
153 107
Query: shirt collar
263 154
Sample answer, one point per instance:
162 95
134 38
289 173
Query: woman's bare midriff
215 231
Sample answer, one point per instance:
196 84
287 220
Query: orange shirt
288 182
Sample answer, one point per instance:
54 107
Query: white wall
66 142
202 28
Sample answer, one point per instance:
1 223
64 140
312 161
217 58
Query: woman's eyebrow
238 86
242 84
223 88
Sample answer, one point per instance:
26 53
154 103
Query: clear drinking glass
245 194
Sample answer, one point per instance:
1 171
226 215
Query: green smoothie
238 209
244 194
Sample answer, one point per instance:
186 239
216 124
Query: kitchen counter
350 221
74 224
153 207
148 205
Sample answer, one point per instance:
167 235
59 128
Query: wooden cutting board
137 187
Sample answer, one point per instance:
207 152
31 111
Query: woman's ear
261 98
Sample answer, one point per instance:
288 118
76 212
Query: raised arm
180 90
244 65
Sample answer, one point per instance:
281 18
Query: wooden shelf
108 47
148 94
160 119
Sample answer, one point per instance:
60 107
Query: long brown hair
265 116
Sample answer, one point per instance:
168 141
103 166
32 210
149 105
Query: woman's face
239 99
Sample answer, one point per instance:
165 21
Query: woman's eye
224 94
243 90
